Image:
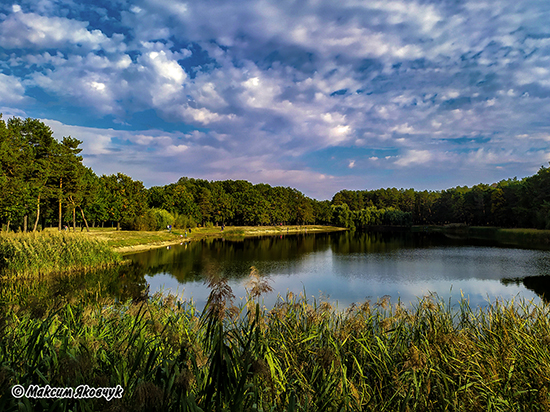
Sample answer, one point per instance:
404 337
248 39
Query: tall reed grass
24 254
298 356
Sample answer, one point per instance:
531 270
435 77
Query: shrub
163 218
153 219
184 222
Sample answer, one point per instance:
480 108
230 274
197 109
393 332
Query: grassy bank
124 241
519 237
529 238
298 356
29 254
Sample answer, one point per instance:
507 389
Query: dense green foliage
42 253
237 203
509 203
44 181
298 356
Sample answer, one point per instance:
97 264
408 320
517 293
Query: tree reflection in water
538 284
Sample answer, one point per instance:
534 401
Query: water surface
347 267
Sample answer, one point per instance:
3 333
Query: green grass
50 251
523 237
125 240
30 254
299 356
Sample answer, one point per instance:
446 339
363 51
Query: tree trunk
74 218
60 207
25 219
8 227
117 225
83 218
37 214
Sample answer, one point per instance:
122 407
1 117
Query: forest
44 183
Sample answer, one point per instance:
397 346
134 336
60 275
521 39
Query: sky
318 95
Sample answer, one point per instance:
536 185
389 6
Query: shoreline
518 237
231 232
52 252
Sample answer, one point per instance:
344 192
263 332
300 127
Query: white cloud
20 30
11 90
415 157
95 89
95 141
260 93
482 157
403 129
339 133
202 116
174 150
163 65
438 82
400 12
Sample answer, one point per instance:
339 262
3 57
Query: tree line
508 203
44 183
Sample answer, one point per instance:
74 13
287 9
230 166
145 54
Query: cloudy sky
320 95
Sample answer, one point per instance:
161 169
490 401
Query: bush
153 219
162 217
184 222
145 222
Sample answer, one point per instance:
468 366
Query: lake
348 267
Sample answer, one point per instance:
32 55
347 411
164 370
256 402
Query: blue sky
312 94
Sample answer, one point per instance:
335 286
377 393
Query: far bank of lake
520 237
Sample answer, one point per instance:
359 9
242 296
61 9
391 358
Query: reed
28 254
301 355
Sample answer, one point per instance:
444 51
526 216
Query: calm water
347 267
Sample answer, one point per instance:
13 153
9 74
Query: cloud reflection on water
368 267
